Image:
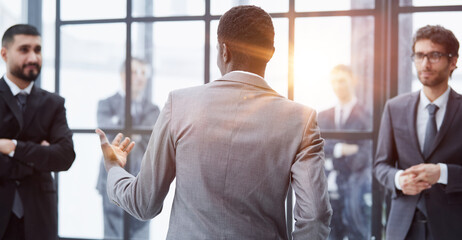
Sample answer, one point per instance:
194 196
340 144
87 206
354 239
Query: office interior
85 42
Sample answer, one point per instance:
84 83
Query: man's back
236 143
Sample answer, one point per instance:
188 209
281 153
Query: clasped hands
115 154
419 177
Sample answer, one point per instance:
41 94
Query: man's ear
453 63
3 53
225 54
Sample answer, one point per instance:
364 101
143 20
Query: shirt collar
15 89
441 101
349 105
248 73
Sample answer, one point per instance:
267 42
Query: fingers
102 136
123 145
117 139
130 147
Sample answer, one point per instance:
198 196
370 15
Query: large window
96 50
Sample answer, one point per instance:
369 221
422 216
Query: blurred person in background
348 162
111 114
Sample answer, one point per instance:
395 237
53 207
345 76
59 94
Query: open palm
115 154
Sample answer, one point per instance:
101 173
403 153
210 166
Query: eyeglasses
433 57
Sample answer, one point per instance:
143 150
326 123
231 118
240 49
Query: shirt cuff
338 150
398 173
11 154
443 173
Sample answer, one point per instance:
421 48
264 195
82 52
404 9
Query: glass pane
79 201
332 5
10 14
91 56
334 69
428 2
48 45
175 50
219 7
408 25
277 69
158 8
349 178
90 9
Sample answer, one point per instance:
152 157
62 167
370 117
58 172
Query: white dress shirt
421 121
346 110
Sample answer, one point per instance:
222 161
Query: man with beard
419 151
35 140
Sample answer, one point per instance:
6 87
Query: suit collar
453 106
411 116
246 78
10 100
34 100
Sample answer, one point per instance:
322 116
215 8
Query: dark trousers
419 229
15 229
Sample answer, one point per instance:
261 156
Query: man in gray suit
111 114
234 146
419 154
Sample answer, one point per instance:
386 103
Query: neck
19 82
434 92
260 70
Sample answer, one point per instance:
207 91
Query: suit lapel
11 102
451 109
411 117
33 102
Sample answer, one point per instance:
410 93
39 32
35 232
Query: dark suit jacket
32 164
353 172
398 148
358 120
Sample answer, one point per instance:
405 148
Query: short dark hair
440 35
247 30
25 29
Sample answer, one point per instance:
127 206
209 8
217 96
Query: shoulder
328 113
398 100
48 96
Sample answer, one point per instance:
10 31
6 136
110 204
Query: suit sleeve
386 156
59 156
143 196
312 211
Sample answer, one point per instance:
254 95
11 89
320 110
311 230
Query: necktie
431 129
22 99
430 134
18 209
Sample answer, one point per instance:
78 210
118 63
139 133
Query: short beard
29 77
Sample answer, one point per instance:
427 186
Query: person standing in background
35 140
111 115
419 149
348 162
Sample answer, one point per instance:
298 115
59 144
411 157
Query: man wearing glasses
419 152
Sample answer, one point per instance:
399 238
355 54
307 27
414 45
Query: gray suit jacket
398 148
234 146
